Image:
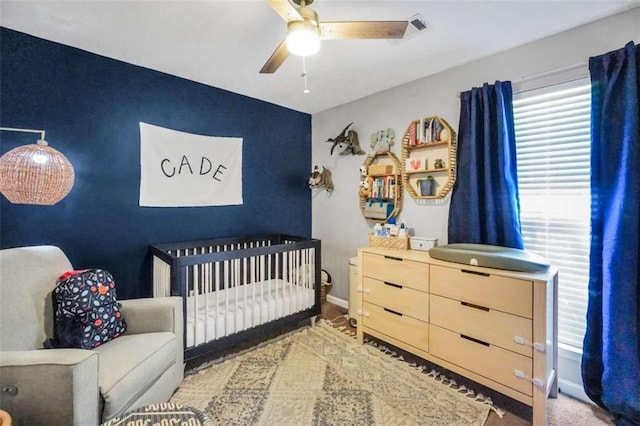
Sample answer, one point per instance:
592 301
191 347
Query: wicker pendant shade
35 174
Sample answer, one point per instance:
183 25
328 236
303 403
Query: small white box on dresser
422 243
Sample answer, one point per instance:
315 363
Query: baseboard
337 301
570 375
573 390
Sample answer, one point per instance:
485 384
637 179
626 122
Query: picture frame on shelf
416 164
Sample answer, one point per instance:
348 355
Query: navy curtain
611 353
485 206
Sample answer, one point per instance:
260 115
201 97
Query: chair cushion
130 364
27 276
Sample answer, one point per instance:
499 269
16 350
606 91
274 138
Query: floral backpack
86 312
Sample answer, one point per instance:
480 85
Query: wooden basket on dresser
390 243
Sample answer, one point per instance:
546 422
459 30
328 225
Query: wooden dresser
495 327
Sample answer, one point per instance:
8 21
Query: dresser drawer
406 300
396 270
485 324
491 291
489 361
401 327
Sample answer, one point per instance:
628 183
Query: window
553 156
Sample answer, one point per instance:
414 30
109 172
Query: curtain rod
548 73
554 71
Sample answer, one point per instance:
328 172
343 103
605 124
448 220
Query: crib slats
217 290
237 286
162 278
225 311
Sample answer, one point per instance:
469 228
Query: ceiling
225 43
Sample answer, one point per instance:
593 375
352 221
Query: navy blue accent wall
90 107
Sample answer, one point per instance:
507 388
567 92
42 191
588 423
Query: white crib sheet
243 307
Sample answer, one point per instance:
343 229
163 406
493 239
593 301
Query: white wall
337 220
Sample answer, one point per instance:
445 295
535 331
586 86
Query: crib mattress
228 311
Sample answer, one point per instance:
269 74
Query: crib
235 289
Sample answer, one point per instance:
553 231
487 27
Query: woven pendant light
35 174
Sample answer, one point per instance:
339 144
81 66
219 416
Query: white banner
185 170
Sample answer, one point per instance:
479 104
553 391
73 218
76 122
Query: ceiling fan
304 31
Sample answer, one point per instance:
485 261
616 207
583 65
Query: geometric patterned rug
321 376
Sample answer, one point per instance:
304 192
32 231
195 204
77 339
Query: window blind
553 161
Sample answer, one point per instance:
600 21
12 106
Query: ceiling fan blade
362 29
277 58
285 10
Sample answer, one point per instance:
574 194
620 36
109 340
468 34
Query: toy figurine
349 138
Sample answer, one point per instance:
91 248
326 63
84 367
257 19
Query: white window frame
555 202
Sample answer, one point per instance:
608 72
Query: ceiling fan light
303 37
303 41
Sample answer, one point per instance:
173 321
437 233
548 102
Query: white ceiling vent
417 24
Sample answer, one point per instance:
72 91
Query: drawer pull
475 340
471 305
537 382
540 347
393 258
393 312
482 274
359 289
392 284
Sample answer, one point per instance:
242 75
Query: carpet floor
321 376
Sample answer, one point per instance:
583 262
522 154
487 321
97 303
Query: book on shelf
392 187
414 133
383 187
428 131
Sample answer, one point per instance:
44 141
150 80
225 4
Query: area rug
321 376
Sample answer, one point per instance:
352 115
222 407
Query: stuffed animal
380 142
321 179
365 187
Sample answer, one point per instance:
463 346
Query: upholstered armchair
77 386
